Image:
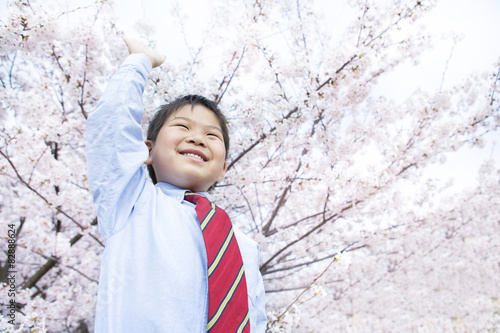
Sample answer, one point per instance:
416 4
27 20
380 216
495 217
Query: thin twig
362 25
313 282
11 69
336 72
494 88
81 102
401 17
446 66
249 208
74 10
82 274
219 98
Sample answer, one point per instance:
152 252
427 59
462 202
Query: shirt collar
177 193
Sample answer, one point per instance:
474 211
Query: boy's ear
149 143
221 177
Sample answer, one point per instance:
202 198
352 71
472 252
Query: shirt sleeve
116 151
250 251
260 303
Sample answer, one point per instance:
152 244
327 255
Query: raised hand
135 46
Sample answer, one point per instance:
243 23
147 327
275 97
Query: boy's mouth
194 154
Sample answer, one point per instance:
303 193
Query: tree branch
5 268
290 113
303 219
81 103
276 74
493 88
40 273
11 69
51 262
314 261
264 267
281 203
218 98
58 209
409 13
362 25
82 274
336 72
261 139
309 287
74 10
249 208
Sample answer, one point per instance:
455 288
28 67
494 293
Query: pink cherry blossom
326 169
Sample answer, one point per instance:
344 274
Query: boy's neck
173 190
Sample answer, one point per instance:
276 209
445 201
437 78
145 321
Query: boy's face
189 151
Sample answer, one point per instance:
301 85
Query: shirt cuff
141 61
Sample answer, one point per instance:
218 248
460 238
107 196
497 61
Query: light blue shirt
153 274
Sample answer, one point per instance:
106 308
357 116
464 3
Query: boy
154 274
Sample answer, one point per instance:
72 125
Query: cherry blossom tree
325 172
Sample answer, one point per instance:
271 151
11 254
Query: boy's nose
198 140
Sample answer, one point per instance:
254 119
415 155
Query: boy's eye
214 135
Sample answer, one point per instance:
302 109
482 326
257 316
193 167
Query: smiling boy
154 274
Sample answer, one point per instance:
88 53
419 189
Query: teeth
193 155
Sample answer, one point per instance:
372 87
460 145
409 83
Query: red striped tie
227 287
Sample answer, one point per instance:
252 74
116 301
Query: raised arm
115 147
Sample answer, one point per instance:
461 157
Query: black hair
166 110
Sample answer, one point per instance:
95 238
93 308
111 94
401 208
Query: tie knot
193 197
